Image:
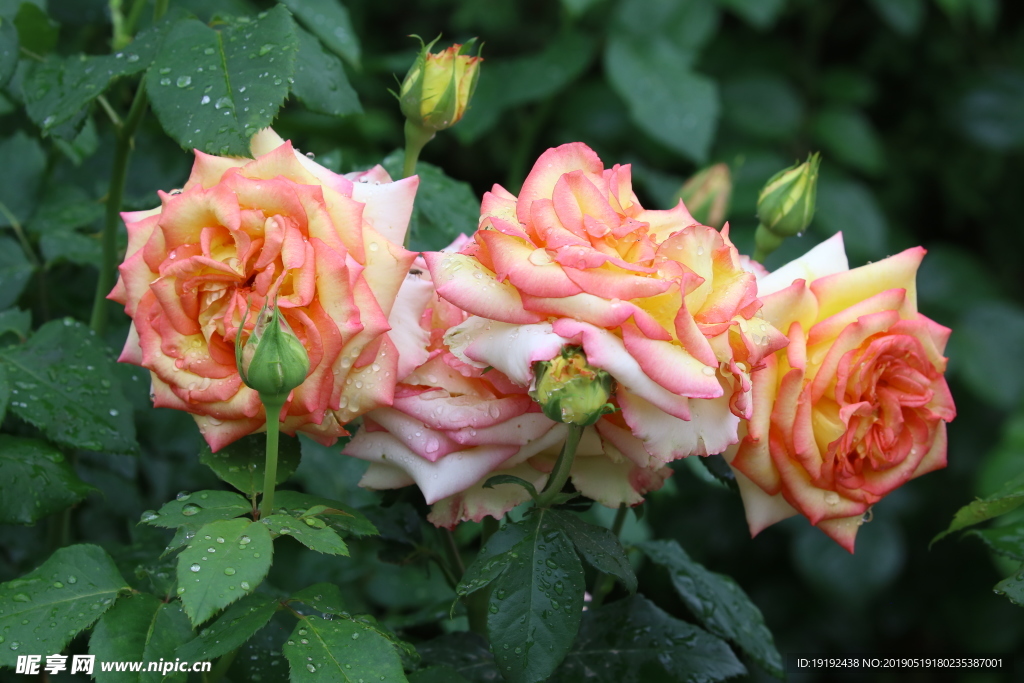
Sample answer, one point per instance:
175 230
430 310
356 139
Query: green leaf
208 581
322 539
850 207
196 509
718 603
536 603
8 50
1007 499
259 659
325 597
20 179
1012 587
239 623
36 31
760 14
675 106
243 463
632 641
1004 540
341 650
83 146
514 82
17 322
577 8
764 105
122 633
64 383
903 16
445 208
991 113
328 20
169 630
74 247
493 559
214 89
42 611
65 208
320 80
437 674
981 334
35 481
465 652
15 271
352 521
597 545
849 137
58 89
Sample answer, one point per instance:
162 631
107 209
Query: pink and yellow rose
654 298
242 232
856 405
453 425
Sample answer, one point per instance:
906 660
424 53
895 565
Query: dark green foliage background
917 107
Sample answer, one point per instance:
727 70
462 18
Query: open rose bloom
245 232
856 405
655 299
453 425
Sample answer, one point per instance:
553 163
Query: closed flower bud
706 195
786 203
438 87
785 206
272 361
570 390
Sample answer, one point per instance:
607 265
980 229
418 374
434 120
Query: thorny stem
560 473
603 586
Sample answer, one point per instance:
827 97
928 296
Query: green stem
416 139
19 232
221 668
603 585
490 526
560 474
451 551
270 473
115 196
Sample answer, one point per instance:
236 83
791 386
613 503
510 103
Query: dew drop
184 81
195 567
229 571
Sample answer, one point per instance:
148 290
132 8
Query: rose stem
415 139
115 195
270 471
603 585
563 466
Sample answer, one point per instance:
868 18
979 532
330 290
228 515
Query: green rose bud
706 195
785 206
272 361
438 87
570 390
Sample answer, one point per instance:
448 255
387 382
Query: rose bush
856 405
654 298
453 425
242 232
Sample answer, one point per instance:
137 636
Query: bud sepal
272 360
570 390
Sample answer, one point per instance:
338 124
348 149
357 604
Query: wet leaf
35 481
328 20
346 520
208 581
8 50
242 463
196 509
235 626
465 652
42 611
718 603
213 89
1007 499
341 650
632 641
322 539
63 382
320 80
598 546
